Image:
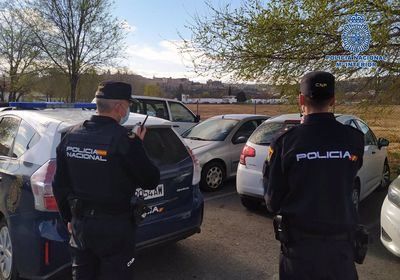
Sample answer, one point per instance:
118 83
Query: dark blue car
33 239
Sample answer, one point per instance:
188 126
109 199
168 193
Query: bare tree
75 35
18 54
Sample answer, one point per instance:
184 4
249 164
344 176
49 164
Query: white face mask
124 118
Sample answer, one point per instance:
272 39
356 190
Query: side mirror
382 142
197 118
240 140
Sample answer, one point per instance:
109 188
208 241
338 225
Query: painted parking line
219 196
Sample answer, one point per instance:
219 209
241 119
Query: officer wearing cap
98 169
310 177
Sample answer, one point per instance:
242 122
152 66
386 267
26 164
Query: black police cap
114 90
318 85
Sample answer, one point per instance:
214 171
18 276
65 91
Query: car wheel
385 180
7 271
356 196
212 176
250 204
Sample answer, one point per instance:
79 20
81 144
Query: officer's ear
301 99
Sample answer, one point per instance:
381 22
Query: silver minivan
182 117
169 109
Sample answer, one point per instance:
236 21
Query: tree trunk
18 96
12 93
74 79
11 97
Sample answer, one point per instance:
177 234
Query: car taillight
247 152
41 183
196 168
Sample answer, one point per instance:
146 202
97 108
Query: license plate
150 194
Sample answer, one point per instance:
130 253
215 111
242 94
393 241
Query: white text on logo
326 155
86 153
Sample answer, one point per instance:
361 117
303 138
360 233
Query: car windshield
211 130
269 131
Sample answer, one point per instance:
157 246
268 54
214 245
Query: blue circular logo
356 37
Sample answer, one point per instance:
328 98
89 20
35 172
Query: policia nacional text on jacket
98 170
311 176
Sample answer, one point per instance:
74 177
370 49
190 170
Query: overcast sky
153 34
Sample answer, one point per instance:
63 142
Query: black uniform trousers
317 259
103 247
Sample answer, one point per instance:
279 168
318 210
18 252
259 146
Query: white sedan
390 219
249 180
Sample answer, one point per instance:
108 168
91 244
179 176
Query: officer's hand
141 132
69 226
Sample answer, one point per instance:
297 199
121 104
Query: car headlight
394 195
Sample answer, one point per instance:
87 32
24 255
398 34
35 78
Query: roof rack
48 105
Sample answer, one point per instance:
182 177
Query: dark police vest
94 152
319 163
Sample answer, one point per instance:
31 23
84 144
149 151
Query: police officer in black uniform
310 179
98 169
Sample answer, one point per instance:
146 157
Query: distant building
269 101
231 100
224 100
216 84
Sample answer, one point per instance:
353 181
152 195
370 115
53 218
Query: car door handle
373 152
175 126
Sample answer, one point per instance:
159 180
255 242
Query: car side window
137 107
180 113
369 136
246 129
8 131
156 108
25 139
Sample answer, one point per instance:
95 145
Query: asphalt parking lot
238 244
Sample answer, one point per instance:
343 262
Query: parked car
173 110
33 238
375 171
390 218
217 143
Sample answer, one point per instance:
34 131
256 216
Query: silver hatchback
217 143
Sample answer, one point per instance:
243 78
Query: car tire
385 180
355 196
212 176
7 267
250 204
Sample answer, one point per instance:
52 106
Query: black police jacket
98 163
311 174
